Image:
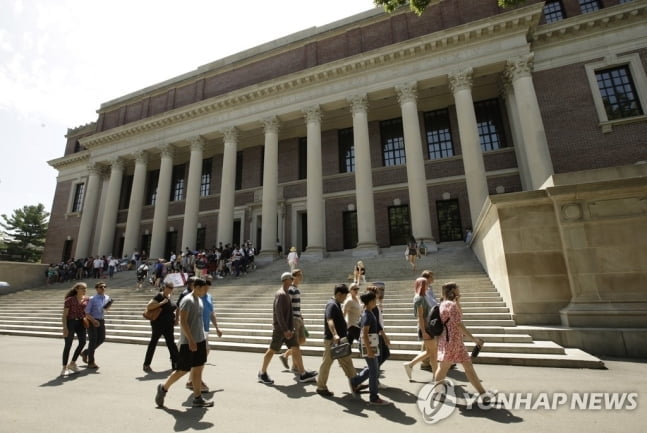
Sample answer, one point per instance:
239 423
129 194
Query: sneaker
324 392
201 402
284 361
408 369
72 367
308 376
379 402
63 372
84 356
264 378
203 387
159 396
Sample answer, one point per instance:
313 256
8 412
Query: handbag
339 350
86 322
151 314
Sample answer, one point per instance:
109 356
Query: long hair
421 286
449 291
75 289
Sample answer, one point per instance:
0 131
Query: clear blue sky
60 60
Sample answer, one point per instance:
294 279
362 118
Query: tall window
392 137
239 170
399 224
489 122
205 179
587 6
177 192
554 11
200 240
346 150
439 134
126 189
153 180
303 158
618 93
79 193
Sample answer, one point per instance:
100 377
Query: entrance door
350 229
236 235
449 220
399 225
303 218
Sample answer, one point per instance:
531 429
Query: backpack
434 325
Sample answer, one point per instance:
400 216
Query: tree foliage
26 230
419 6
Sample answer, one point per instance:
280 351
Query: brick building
359 134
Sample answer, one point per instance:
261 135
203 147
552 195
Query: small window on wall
439 134
346 150
153 179
392 136
177 192
587 6
554 11
79 194
490 124
619 89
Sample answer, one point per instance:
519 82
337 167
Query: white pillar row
162 199
136 204
519 147
109 221
416 178
228 188
460 83
540 164
89 213
366 239
270 187
314 188
192 202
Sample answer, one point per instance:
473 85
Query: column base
605 315
313 253
266 257
366 250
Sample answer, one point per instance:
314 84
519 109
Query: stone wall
22 275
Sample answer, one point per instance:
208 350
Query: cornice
518 20
73 159
630 13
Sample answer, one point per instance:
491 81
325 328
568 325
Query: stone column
270 187
162 199
109 222
416 178
366 239
314 189
228 188
532 126
519 147
460 83
192 202
136 204
89 213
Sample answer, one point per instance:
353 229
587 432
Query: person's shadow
59 381
188 419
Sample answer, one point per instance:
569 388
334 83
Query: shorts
299 330
187 359
278 339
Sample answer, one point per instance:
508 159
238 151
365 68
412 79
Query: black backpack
435 326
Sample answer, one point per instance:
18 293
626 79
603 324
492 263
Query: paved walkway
119 396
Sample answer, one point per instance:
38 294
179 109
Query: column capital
271 125
407 92
460 80
520 66
358 103
116 162
230 134
312 114
197 143
94 169
141 157
166 150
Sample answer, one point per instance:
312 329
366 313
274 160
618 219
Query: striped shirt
295 295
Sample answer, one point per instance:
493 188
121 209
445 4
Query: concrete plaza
119 396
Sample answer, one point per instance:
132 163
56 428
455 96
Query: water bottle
476 351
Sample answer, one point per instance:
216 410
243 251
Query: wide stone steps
244 309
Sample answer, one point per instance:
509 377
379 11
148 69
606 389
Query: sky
61 59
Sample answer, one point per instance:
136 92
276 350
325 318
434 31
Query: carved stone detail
460 80
407 92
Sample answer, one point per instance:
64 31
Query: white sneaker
72 367
408 369
63 372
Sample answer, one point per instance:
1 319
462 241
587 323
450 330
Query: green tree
26 230
419 6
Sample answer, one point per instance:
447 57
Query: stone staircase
244 308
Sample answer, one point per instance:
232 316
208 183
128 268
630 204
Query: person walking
421 310
162 326
335 331
94 312
352 313
283 332
293 259
299 328
73 314
193 346
451 348
412 252
432 301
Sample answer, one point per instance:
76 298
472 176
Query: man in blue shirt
94 312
